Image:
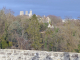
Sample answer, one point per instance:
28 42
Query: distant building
48 19
44 19
21 12
30 14
63 20
26 13
50 26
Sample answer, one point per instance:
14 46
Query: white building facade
26 13
21 12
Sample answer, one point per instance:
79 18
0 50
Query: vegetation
21 32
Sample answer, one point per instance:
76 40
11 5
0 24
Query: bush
10 44
4 44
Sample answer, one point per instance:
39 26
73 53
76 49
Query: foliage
15 27
4 44
33 32
43 26
23 32
10 44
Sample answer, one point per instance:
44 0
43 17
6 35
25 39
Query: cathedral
26 13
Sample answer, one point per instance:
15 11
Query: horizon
61 8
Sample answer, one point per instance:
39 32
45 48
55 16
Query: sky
61 8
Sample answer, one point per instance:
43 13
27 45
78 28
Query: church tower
30 14
21 12
26 13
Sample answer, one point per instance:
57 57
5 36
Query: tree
33 32
43 26
55 19
4 42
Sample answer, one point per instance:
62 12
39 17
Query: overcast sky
60 8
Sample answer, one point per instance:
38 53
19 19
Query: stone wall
16 54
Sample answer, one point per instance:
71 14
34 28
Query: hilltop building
63 20
43 19
26 13
46 20
21 12
49 21
50 26
30 14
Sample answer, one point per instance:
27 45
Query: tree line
21 32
